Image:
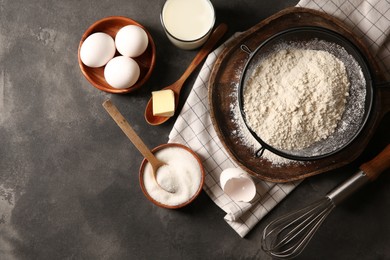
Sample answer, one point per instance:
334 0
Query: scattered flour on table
296 97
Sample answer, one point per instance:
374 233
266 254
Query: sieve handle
260 152
376 166
246 49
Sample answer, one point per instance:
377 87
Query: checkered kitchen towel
193 128
369 20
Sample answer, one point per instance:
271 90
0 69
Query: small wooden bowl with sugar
184 172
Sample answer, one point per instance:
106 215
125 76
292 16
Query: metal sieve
359 102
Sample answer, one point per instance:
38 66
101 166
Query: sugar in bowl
178 182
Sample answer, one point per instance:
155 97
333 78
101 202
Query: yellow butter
163 103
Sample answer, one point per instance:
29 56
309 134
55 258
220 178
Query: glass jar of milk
188 23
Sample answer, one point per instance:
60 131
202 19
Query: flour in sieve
296 97
248 140
350 122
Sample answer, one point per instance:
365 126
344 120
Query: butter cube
163 103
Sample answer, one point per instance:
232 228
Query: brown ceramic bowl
142 168
146 61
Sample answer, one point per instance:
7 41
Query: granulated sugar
179 179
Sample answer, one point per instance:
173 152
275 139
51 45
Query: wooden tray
224 79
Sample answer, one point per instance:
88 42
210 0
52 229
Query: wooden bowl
224 79
141 179
146 61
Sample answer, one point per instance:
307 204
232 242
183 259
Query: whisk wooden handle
377 165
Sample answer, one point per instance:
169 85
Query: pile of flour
296 97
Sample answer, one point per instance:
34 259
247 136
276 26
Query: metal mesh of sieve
360 98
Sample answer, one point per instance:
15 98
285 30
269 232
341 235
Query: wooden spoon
177 86
134 138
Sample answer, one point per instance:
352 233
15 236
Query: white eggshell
237 184
121 72
131 41
97 50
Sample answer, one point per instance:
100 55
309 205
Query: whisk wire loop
288 235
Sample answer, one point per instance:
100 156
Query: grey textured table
68 176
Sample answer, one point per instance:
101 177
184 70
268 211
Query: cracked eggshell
237 184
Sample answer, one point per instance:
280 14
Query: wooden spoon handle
130 133
204 51
377 165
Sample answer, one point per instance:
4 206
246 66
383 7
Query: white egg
121 72
97 50
131 41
